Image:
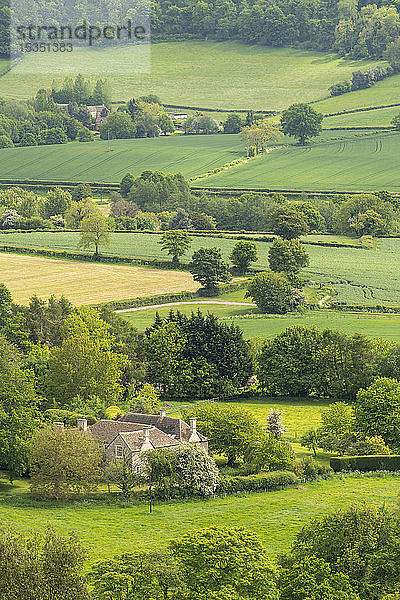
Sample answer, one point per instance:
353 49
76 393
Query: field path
153 306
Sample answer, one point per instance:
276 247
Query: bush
366 463
259 482
5 142
309 469
85 135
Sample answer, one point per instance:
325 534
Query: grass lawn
276 517
190 155
85 283
227 75
366 163
367 277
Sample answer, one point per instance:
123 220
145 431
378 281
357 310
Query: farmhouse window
119 452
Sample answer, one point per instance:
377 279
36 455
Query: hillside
227 75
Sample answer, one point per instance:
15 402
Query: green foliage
18 411
6 142
303 361
301 121
230 430
224 560
233 124
361 543
126 184
366 463
377 410
57 202
269 454
85 135
121 475
312 578
64 463
365 214
138 575
287 256
273 480
146 400
157 191
289 223
243 253
95 231
187 466
272 293
176 243
119 125
208 267
41 565
166 124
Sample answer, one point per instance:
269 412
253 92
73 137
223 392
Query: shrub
259 482
366 463
5 142
309 469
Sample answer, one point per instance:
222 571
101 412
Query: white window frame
138 469
119 451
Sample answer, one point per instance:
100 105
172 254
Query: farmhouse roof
106 431
158 439
174 427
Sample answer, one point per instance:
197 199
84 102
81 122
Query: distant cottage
134 433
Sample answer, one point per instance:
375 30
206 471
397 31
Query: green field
227 75
381 117
382 93
190 155
368 277
384 326
108 529
365 163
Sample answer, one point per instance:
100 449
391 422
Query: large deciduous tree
301 121
243 254
273 293
176 243
288 223
208 268
287 256
378 410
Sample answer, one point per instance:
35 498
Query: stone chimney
193 425
163 413
82 424
147 435
58 425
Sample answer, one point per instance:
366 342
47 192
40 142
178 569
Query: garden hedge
274 480
366 463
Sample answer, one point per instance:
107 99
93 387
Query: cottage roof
134 439
174 427
106 431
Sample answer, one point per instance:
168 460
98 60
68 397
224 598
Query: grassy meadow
227 75
373 325
365 162
380 117
107 529
367 277
190 155
85 283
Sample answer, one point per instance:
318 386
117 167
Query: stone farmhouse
134 433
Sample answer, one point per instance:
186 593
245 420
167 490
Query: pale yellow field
85 283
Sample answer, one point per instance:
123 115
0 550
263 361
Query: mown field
276 517
365 163
381 117
368 277
227 75
85 283
189 155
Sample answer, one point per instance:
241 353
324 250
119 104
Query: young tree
258 134
288 223
233 124
95 231
126 184
208 268
377 410
41 565
270 454
287 256
243 253
78 211
228 561
166 124
64 462
301 121
275 423
180 220
176 243
272 293
120 474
